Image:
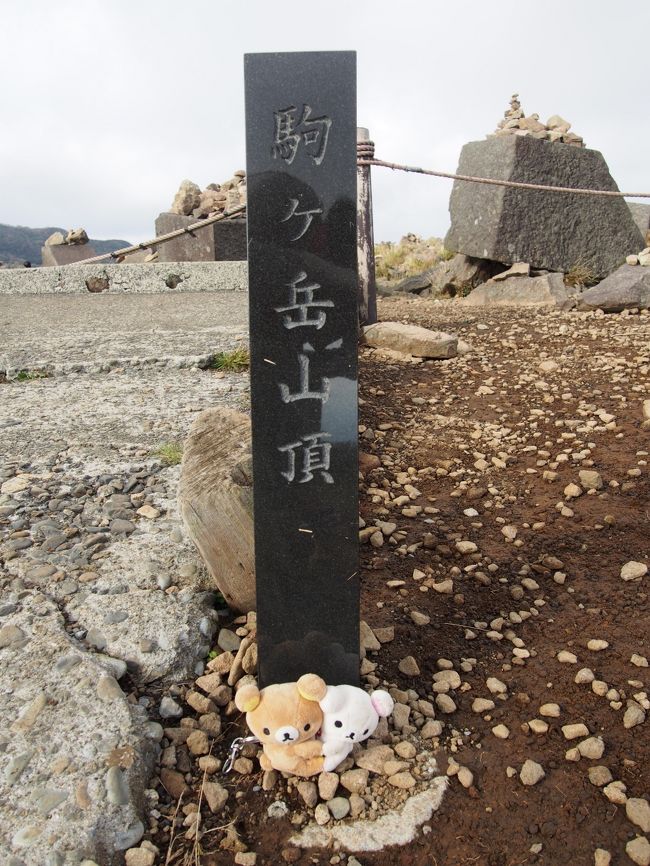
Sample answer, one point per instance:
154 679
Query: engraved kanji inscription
305 393
301 302
308 216
309 455
291 131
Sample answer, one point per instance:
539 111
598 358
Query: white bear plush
350 716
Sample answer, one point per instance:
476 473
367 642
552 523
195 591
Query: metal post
365 236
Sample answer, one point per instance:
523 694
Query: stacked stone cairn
190 200
75 237
515 122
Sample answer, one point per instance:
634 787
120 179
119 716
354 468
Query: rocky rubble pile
371 784
515 122
75 237
190 200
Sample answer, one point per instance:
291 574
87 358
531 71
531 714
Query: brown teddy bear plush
285 718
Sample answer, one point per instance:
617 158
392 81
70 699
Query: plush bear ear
382 702
311 687
247 698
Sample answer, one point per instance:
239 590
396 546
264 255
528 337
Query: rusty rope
161 239
495 182
365 156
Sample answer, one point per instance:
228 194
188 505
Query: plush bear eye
338 724
266 732
307 727
365 732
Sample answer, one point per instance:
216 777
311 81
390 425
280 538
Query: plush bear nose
351 735
287 734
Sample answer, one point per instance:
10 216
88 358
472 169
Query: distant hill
22 244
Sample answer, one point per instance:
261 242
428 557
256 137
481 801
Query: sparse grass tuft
581 274
171 453
411 256
31 375
231 362
446 255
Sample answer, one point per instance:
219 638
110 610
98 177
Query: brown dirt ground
603 364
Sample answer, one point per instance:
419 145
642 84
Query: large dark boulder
550 230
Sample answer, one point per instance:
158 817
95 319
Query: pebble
228 641
339 807
309 792
602 857
169 709
445 704
597 645
639 661
634 715
501 732
322 814
139 857
215 795
495 686
638 850
531 773
592 748
403 780
590 479
638 812
482 705
599 776
465 777
466 547
567 658
572 732
550 711
409 667
355 781
584 675
538 726
329 782
615 793
420 618
633 570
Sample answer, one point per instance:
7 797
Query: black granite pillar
301 173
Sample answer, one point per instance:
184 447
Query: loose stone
633 570
638 812
339 807
531 773
638 850
599 776
572 732
409 666
592 748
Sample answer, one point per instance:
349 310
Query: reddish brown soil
603 364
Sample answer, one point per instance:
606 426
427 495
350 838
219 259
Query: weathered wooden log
216 501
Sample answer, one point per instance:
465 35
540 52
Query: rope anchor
235 749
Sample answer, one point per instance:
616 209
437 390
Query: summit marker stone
301 170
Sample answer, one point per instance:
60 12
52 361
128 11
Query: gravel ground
504 550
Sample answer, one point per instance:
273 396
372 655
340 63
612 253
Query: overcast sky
108 104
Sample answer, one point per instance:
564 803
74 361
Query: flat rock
410 340
547 290
626 288
90 807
